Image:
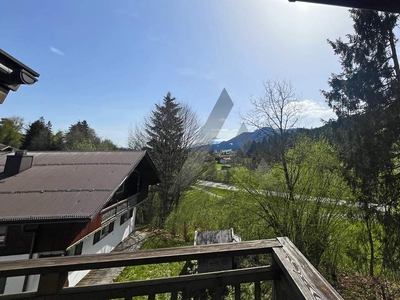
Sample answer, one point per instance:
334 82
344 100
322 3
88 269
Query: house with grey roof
68 203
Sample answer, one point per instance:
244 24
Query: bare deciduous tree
276 113
137 137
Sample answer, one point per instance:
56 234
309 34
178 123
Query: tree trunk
371 245
394 55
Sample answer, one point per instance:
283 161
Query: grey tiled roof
64 185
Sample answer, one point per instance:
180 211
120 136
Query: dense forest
39 136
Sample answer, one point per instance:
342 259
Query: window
126 216
3 235
120 189
78 248
103 232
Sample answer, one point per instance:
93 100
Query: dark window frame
78 248
3 236
126 216
103 232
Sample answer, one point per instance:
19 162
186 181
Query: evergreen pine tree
38 136
165 130
366 100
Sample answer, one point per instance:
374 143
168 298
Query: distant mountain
242 139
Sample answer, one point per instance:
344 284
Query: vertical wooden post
218 293
257 290
237 292
174 295
51 283
276 285
151 297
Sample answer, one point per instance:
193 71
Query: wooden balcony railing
292 275
118 208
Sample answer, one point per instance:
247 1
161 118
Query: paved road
273 193
205 191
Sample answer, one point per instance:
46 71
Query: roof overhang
383 5
13 73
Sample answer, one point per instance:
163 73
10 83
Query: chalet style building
66 204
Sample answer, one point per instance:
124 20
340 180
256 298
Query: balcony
118 208
290 274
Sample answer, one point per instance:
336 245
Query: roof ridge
56 191
81 164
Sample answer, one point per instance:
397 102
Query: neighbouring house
225 160
68 203
5 149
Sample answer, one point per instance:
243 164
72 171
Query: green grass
153 271
219 192
145 272
219 166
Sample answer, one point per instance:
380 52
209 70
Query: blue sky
109 61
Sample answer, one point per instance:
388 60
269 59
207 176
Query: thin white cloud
314 109
56 51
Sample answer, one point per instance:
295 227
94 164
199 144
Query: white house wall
14 284
105 245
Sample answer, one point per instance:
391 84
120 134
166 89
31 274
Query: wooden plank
111 260
157 286
174 295
237 292
51 283
257 290
303 277
218 293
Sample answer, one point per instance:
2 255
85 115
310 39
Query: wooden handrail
303 278
291 272
164 285
112 210
111 260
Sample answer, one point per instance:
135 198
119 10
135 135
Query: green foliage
170 131
165 131
365 97
368 77
10 131
311 217
144 272
81 137
201 211
58 141
38 136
